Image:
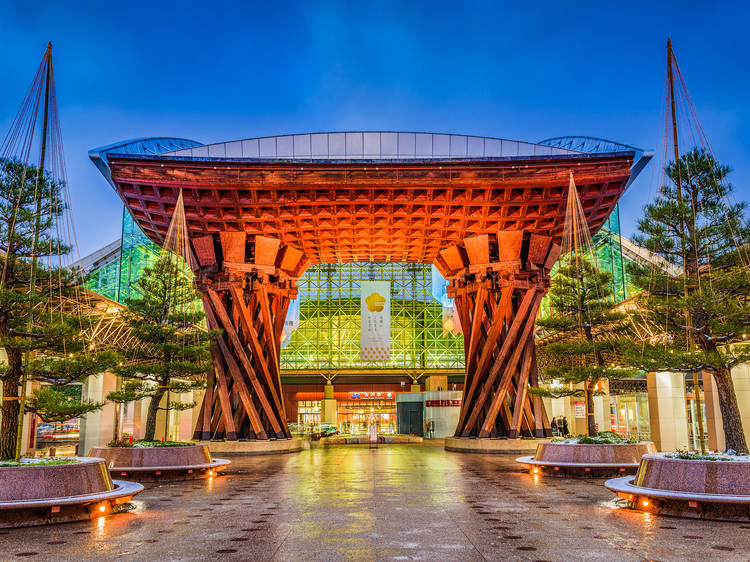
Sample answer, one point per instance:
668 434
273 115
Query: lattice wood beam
336 212
498 282
247 283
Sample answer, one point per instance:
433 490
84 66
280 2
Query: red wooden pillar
499 281
246 283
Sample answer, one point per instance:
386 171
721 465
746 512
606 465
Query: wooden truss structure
247 283
498 282
490 225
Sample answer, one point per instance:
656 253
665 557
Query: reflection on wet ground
394 502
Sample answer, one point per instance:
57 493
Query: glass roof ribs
374 145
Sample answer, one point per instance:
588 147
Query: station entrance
488 220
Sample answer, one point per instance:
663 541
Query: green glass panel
105 280
138 252
328 333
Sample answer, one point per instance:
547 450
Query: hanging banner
375 315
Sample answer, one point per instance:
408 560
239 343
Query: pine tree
699 295
174 356
42 343
581 333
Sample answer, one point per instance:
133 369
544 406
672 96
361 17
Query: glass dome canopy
370 145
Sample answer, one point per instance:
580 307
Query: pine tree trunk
9 416
730 411
590 418
9 429
153 410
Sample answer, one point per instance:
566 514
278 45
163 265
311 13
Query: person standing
565 426
553 424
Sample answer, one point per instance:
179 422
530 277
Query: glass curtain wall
329 319
116 280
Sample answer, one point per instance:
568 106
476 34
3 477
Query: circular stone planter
699 489
43 494
256 447
160 463
595 460
365 440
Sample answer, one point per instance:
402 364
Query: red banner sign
442 403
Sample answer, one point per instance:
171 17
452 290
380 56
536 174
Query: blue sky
226 70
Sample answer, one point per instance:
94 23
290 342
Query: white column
667 411
601 407
97 428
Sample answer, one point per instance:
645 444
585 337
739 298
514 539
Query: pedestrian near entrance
553 424
565 426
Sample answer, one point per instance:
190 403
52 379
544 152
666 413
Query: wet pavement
394 502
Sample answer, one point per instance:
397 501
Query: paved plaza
395 502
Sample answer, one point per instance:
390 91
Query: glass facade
116 280
609 255
327 336
308 413
628 415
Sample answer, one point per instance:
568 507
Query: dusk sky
213 71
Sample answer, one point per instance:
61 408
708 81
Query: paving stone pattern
399 502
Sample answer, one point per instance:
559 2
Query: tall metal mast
685 272
37 227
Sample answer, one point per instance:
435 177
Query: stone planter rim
601 444
191 457
531 461
216 463
145 448
625 484
79 460
121 488
663 456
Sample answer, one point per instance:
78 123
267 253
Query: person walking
565 426
553 424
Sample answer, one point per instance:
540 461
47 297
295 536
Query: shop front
629 409
353 408
357 411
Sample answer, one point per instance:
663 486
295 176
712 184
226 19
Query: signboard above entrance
371 395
